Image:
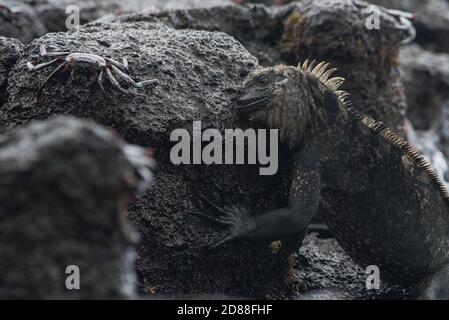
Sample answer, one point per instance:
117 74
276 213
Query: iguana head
281 97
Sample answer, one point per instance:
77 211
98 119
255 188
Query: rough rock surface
426 80
331 30
325 271
254 26
266 2
52 13
199 74
334 31
19 20
10 50
63 194
164 5
432 20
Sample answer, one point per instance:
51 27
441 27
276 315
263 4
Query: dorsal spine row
319 71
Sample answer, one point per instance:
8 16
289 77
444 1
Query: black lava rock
331 30
63 195
432 20
19 20
54 14
326 272
199 76
426 80
10 50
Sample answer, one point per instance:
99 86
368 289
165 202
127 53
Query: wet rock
10 50
53 12
254 26
325 294
331 30
325 271
431 143
199 74
18 20
335 31
162 5
266 2
432 20
426 81
63 194
192 67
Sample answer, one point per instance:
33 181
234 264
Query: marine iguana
383 202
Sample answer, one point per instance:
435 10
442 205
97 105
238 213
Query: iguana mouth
250 103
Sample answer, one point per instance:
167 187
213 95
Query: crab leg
123 65
40 66
44 53
61 66
100 81
123 75
147 82
131 81
116 84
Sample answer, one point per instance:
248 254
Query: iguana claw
209 218
233 218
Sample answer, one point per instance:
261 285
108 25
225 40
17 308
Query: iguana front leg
272 225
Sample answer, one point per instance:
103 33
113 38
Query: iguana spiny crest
280 97
380 198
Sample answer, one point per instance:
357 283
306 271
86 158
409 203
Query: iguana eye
263 80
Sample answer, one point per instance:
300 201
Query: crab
98 65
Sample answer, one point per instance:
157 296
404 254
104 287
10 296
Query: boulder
425 75
10 50
19 20
330 30
426 81
432 20
199 74
335 31
53 14
326 272
64 233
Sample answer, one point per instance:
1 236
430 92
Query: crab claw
30 66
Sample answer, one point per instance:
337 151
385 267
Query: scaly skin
381 200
